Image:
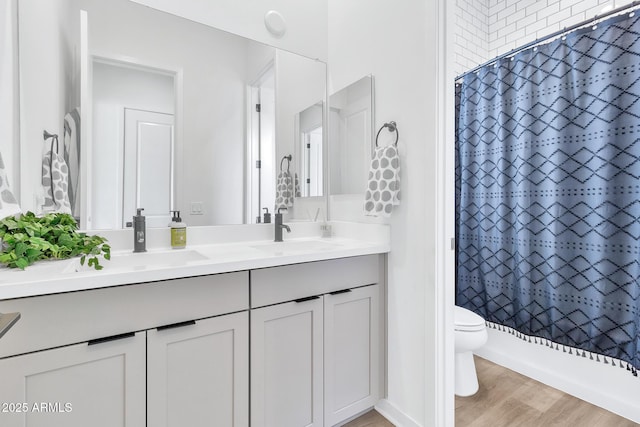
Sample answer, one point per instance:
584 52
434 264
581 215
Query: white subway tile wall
472 34
508 24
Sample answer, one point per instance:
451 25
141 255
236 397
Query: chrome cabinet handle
7 320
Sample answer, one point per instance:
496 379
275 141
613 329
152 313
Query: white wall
47 67
306 20
9 126
396 42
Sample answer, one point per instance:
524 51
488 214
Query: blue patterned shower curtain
548 191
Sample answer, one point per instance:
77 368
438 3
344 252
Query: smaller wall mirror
350 137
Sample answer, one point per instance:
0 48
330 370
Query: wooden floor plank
370 419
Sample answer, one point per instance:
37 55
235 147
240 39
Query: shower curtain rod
550 36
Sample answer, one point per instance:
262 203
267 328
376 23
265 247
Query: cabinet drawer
61 319
279 284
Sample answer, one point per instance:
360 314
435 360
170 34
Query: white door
198 373
351 352
148 166
312 176
286 365
101 385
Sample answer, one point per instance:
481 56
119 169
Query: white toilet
470 334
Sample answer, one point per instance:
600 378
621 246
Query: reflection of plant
29 238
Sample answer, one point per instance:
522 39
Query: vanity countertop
125 267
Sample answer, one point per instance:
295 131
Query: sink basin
142 260
296 246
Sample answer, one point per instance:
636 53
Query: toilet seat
467 321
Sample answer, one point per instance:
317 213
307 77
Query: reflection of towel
72 157
383 187
297 186
8 204
284 190
55 180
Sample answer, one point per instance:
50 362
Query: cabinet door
198 373
286 365
352 352
101 385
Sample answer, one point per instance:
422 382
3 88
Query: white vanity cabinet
158 354
197 373
352 352
101 385
286 364
286 346
316 335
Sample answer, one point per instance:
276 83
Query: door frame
443 391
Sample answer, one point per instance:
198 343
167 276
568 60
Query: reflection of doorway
309 148
120 87
312 163
261 171
148 166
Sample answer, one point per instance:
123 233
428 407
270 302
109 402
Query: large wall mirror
162 113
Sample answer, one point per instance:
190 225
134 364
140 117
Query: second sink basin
296 246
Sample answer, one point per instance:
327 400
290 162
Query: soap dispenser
139 232
178 231
267 216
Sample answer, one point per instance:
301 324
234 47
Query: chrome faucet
280 226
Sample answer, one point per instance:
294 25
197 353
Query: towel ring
288 158
392 128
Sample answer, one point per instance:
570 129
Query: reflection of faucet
139 232
280 226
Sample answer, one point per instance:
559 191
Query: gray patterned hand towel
383 186
284 190
8 204
55 180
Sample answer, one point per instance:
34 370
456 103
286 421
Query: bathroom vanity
289 338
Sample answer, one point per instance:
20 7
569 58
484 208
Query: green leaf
21 263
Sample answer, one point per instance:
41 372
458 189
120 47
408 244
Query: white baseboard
611 388
394 415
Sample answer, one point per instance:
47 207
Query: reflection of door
355 138
312 165
261 167
148 166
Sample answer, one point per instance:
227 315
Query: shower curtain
548 191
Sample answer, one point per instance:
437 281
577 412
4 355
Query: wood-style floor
508 399
370 419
